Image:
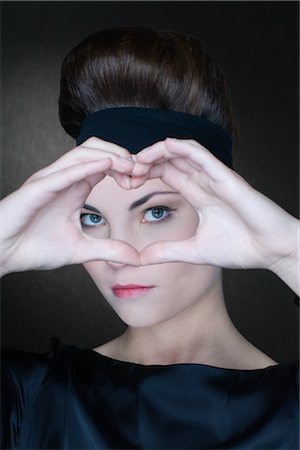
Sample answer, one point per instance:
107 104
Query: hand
238 226
41 220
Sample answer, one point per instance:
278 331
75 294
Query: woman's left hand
238 226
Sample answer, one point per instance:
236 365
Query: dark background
257 45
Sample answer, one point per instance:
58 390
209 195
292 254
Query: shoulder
23 376
28 370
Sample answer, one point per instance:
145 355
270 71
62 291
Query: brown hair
145 68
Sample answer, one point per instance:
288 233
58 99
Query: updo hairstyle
142 67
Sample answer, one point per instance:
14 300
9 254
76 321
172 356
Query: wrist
3 272
287 269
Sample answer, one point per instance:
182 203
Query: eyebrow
144 199
135 204
91 208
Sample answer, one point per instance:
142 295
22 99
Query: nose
125 234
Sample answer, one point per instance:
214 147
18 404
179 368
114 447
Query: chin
137 319
144 316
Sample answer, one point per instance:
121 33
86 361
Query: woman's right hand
40 222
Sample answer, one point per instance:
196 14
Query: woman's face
150 213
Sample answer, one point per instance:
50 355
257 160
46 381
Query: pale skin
216 220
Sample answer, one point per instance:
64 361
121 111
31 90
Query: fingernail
134 170
129 159
128 182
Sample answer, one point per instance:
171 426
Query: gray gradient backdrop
257 45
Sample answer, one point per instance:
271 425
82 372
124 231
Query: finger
136 182
140 169
193 187
120 156
59 181
156 171
190 149
170 251
141 172
101 144
199 155
123 180
118 164
92 180
90 249
167 172
157 152
227 186
224 183
36 194
184 165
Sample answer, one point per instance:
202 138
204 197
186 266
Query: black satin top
69 398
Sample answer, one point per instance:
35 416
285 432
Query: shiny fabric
136 128
69 398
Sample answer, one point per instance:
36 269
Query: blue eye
156 214
90 220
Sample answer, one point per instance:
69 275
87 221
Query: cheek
176 228
186 225
184 277
191 227
96 271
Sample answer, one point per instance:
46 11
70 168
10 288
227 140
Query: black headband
137 128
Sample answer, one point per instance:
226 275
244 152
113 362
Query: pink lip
130 290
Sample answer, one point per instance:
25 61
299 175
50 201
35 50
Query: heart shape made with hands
234 219
172 169
230 231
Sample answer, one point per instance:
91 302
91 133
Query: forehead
109 193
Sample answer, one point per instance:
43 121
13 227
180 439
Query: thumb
90 249
170 251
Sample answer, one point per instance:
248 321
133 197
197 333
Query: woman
149 203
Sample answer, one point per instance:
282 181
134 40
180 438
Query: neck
203 333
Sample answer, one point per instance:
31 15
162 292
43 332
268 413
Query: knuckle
92 140
34 177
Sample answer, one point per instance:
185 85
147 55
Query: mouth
130 290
